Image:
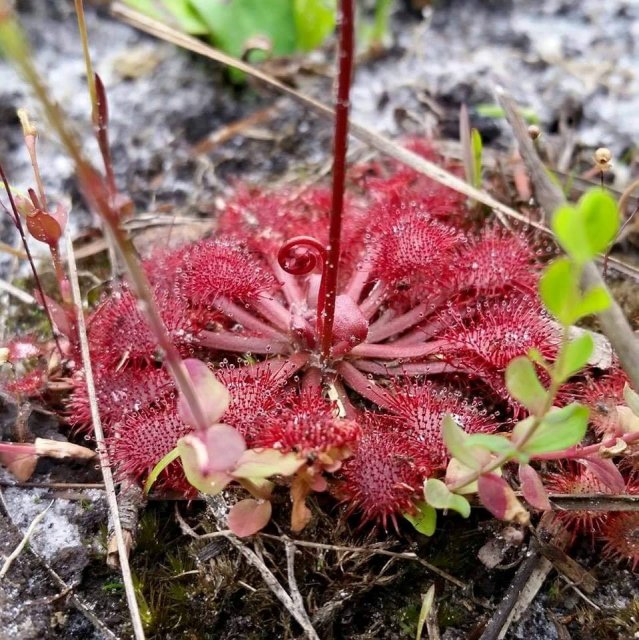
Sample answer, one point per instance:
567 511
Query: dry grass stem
102 451
23 543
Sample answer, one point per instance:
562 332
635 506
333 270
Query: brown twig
406 555
613 321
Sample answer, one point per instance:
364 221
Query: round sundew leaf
213 396
498 497
249 516
263 463
533 489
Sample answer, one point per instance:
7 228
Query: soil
572 62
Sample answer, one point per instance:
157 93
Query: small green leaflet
439 496
574 357
523 384
587 229
425 520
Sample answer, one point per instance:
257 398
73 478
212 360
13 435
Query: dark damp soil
572 62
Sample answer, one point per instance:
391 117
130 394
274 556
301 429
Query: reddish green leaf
607 472
533 489
497 496
44 227
249 516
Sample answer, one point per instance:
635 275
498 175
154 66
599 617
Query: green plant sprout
583 231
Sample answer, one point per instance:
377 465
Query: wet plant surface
202 589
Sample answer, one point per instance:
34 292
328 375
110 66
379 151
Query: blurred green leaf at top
260 28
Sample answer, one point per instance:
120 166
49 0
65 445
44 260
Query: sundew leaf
523 384
438 495
425 520
560 429
588 228
314 21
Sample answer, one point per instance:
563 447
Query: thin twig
613 321
21 295
27 534
102 451
406 555
298 612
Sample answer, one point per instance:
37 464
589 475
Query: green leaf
427 605
492 442
425 520
439 496
560 429
593 301
263 463
477 147
588 228
172 455
574 356
455 439
314 21
233 23
523 384
487 110
559 290
179 12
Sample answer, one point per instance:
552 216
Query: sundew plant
368 338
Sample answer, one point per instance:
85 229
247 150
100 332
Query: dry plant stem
102 451
292 605
18 224
340 146
83 608
370 550
27 534
92 186
613 321
21 295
